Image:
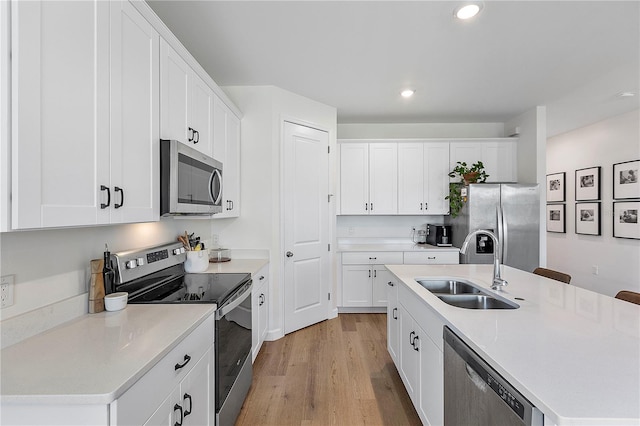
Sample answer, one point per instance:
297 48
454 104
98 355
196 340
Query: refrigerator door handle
502 235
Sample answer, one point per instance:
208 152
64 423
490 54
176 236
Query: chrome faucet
498 282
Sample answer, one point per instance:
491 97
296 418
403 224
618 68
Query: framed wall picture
588 218
556 218
625 219
555 187
588 184
625 180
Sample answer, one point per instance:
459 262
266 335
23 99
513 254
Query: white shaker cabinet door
354 178
357 281
226 148
411 178
59 113
436 165
201 115
383 178
381 278
174 93
134 116
393 322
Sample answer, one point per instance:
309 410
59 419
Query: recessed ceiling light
467 11
407 93
626 94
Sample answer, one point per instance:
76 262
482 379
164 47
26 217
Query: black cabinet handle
178 407
187 412
232 206
366 206
420 206
121 191
369 273
106 188
375 273
197 136
371 206
390 283
261 277
373 258
393 313
261 299
411 337
192 134
187 358
426 206
417 348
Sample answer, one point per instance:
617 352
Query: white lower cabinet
364 278
179 389
189 403
432 257
259 310
393 321
420 361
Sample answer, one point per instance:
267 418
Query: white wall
532 140
259 225
419 130
602 144
385 227
51 268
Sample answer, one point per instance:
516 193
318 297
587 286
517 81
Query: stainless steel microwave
190 181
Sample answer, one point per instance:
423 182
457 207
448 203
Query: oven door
233 355
190 181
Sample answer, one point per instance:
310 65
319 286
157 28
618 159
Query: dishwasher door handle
476 378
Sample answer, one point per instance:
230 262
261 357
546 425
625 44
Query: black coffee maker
439 235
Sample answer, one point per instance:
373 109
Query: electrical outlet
216 239
594 270
351 230
6 290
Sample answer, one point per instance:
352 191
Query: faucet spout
497 282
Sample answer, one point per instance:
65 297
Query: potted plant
467 175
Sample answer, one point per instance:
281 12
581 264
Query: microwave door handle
215 197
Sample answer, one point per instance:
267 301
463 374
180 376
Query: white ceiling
572 56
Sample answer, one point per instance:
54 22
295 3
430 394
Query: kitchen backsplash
382 226
51 268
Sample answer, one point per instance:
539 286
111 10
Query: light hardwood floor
337 372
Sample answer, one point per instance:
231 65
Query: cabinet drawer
141 400
431 257
372 258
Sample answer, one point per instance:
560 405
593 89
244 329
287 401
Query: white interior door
306 226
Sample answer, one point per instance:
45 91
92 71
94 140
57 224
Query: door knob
289 254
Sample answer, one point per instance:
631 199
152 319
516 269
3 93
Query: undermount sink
445 286
464 294
476 301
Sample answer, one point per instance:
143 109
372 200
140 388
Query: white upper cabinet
368 178
134 116
186 105
422 178
70 71
226 148
499 157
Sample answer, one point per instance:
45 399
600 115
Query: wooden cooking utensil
96 289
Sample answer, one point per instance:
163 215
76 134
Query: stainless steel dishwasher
475 394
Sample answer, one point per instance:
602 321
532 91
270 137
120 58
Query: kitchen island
573 353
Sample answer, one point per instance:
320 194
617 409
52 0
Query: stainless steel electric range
156 275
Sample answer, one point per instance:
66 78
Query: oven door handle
225 309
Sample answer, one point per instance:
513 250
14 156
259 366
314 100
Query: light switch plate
6 290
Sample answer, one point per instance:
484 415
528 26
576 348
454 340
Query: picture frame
556 221
588 184
625 219
626 182
588 218
556 187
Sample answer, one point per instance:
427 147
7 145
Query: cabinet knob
289 254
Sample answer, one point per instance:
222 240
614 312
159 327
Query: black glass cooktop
173 285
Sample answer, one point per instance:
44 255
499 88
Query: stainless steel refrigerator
512 212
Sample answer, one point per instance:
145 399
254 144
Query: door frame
332 310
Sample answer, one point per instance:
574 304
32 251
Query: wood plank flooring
337 372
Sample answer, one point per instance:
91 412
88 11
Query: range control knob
177 251
131 264
182 250
140 261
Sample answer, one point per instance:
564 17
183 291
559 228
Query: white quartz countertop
391 246
97 357
573 353
251 266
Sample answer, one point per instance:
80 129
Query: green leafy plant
467 175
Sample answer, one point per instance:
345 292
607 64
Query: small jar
218 255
